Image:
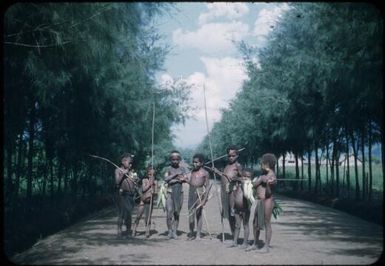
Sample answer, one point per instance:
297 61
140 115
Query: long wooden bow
116 166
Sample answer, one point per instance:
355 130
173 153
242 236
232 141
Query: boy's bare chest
231 170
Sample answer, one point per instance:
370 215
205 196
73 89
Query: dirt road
305 233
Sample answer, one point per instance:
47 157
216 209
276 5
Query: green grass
378 180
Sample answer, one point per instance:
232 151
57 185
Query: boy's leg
199 222
148 212
232 222
138 216
268 206
256 232
238 222
170 213
191 218
129 207
246 217
176 216
232 203
119 224
175 227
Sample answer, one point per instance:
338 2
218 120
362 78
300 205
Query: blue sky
203 36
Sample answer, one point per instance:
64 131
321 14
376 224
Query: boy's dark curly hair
232 147
200 157
126 155
269 159
175 151
248 170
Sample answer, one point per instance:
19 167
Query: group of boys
236 203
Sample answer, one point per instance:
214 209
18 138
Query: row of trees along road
80 80
315 88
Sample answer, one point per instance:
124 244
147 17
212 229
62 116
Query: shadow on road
330 225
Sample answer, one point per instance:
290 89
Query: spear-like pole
223 156
212 162
152 163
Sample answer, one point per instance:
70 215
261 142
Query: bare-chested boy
125 179
174 176
232 171
241 208
199 183
265 203
146 204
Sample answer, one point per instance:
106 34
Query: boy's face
150 173
197 164
175 160
247 175
264 167
126 162
232 156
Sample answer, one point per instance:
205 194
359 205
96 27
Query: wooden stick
220 157
204 217
212 161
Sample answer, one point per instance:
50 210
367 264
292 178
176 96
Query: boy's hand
264 179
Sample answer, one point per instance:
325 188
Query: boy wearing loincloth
146 200
174 176
199 182
232 171
125 179
241 207
265 203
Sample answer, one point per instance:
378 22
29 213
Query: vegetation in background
315 88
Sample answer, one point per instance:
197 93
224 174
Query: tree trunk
283 166
383 152
74 180
65 189
355 153
32 118
301 172
327 164
347 166
296 171
337 158
370 162
343 187
331 185
309 169
19 164
59 177
277 171
363 164
45 177
9 186
317 170
51 177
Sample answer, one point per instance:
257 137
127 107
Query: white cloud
166 81
223 80
267 19
212 37
221 9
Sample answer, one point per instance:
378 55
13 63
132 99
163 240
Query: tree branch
35 46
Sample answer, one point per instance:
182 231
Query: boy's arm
168 177
272 180
216 171
119 176
186 178
146 184
259 180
